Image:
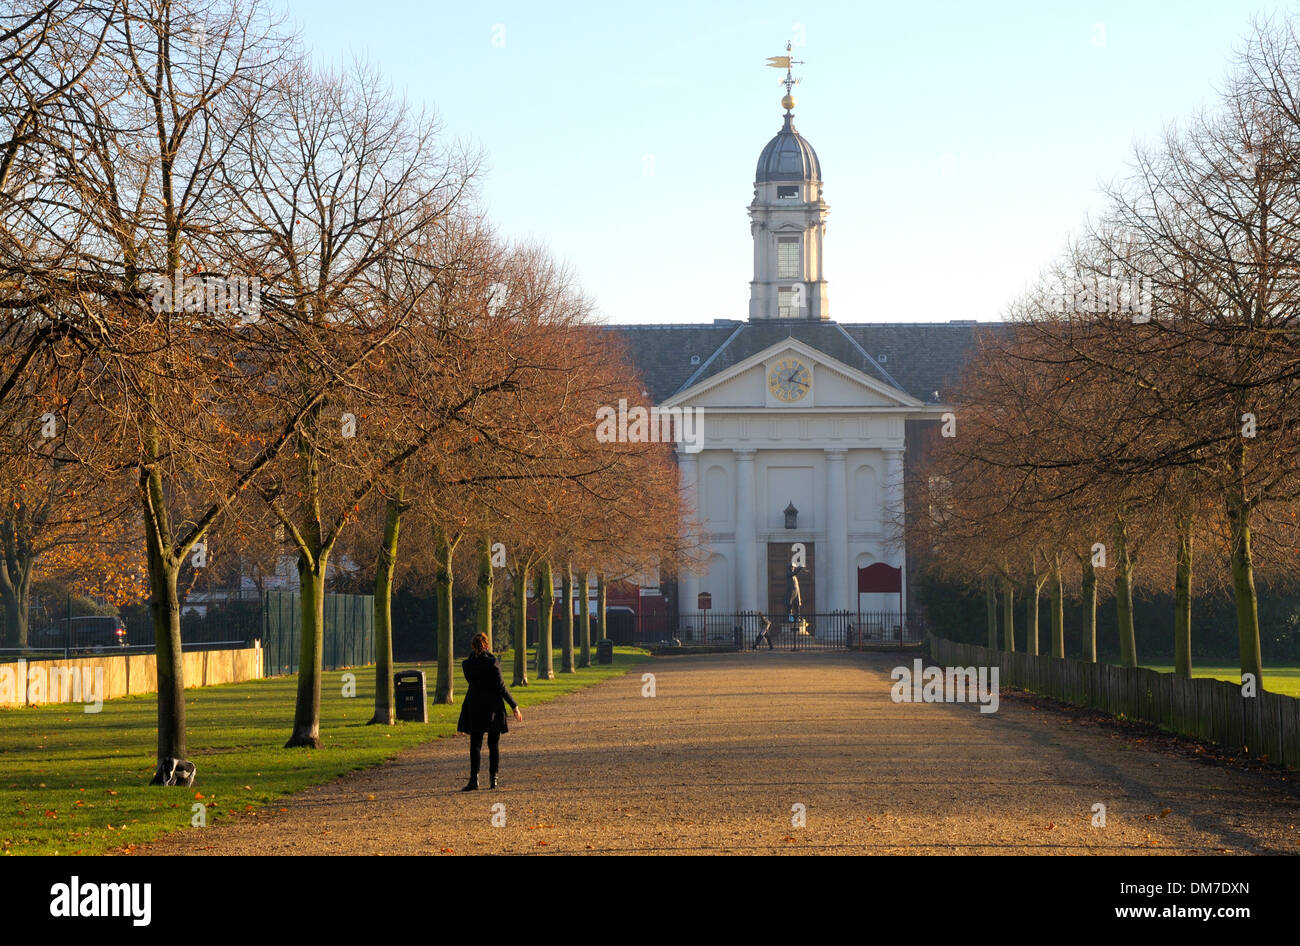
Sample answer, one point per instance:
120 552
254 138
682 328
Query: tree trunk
1243 586
483 619
1183 600
545 610
444 547
313 557
521 626
386 563
566 641
1124 596
601 605
991 606
15 586
1089 610
584 619
15 617
165 615
1058 611
1008 616
311 653
1031 617
24 606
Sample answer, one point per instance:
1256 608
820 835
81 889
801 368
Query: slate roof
919 358
788 157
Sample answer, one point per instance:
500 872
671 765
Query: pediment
835 384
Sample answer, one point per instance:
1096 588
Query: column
688 583
837 531
746 535
894 513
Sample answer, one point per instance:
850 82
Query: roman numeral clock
789 380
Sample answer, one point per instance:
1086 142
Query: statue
793 601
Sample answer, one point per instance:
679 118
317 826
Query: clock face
789 380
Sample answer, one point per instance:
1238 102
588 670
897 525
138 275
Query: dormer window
787 192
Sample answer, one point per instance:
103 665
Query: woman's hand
519 714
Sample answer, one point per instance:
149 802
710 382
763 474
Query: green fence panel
349 633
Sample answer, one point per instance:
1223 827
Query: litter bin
738 637
605 651
411 696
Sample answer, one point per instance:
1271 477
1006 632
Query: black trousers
476 750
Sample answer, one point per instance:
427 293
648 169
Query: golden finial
787 63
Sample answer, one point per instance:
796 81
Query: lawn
1284 680
76 783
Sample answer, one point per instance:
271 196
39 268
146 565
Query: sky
961 143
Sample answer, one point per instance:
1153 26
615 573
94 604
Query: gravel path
715 762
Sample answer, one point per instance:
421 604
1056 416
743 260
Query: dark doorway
778 563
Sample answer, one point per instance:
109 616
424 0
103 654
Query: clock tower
788 223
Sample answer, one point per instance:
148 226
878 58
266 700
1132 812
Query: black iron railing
744 630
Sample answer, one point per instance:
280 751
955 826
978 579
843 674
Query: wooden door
778 562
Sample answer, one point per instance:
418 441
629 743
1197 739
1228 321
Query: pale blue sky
960 143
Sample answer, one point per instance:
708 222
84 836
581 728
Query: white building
800 412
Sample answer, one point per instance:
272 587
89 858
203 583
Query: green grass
1284 680
76 783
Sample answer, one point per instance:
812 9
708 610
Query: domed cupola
788 222
788 157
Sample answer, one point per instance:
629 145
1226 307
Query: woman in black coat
484 709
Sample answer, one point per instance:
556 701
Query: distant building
808 422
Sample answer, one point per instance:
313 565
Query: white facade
793 425
837 455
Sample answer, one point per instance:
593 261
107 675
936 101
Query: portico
837 459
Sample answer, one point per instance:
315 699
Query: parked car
91 631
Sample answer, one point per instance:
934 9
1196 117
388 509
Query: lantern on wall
791 517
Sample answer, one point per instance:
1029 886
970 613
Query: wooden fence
1266 725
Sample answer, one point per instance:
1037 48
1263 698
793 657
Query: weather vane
787 63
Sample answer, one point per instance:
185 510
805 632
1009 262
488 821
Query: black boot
494 781
472 786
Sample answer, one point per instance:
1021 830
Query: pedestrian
762 634
484 709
